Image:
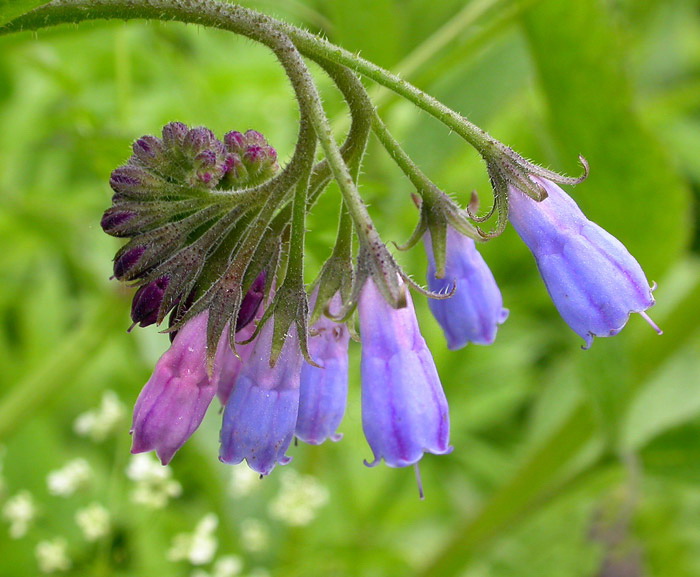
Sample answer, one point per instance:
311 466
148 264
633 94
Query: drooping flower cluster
188 201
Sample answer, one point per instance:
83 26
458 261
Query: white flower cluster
255 535
52 556
73 476
94 521
244 481
100 423
198 547
299 498
20 511
154 482
226 566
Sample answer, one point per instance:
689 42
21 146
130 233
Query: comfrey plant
216 233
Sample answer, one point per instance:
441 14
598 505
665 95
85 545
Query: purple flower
404 410
594 281
324 389
261 413
474 311
172 404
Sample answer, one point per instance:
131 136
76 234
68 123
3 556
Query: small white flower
228 566
255 535
299 498
244 481
74 475
198 547
94 521
19 511
52 556
99 423
154 485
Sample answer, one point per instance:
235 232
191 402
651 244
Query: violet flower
474 311
324 389
173 402
404 410
261 413
594 281
227 364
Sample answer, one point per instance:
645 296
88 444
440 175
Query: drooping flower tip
594 282
404 409
475 310
173 402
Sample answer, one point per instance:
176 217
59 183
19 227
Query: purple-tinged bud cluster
250 157
147 301
472 314
594 281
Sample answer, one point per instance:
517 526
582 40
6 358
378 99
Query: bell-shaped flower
404 410
261 413
594 281
324 389
172 404
474 311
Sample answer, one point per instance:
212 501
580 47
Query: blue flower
324 389
594 281
474 311
261 412
404 410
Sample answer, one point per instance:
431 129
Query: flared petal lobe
472 314
594 282
173 402
404 409
324 389
261 413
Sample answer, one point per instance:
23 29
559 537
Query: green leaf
11 9
633 189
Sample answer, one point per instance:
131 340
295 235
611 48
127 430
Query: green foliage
563 458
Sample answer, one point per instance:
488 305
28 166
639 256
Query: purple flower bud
594 281
134 181
235 142
147 300
174 134
148 149
127 260
324 390
474 311
197 140
227 366
114 218
173 403
253 137
261 413
251 302
404 410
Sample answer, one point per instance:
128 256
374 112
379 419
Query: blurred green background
566 463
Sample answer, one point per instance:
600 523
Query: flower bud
251 302
147 300
127 260
114 219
